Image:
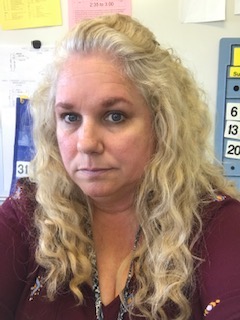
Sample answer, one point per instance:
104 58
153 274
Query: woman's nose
89 138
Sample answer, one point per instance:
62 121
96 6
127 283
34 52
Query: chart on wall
227 134
21 70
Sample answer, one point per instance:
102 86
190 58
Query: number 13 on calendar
232 130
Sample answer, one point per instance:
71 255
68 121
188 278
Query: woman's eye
115 117
70 117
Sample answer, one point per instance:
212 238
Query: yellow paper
236 56
234 72
1 12
20 14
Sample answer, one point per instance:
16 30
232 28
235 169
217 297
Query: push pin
36 44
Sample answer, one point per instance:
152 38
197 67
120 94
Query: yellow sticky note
236 56
1 12
30 14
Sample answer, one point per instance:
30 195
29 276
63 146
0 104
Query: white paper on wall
195 11
237 7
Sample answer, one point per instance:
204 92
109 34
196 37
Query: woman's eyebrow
64 105
105 103
110 102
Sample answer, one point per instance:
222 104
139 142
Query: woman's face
104 128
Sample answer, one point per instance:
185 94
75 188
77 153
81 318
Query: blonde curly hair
181 178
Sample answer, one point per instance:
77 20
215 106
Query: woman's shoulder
18 209
223 209
219 272
17 246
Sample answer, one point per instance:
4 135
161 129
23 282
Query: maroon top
218 289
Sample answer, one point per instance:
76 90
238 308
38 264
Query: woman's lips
93 171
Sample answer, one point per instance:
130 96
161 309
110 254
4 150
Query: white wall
197 44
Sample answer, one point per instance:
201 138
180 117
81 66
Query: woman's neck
114 235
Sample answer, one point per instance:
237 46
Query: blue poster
23 145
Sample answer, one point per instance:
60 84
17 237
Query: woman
126 216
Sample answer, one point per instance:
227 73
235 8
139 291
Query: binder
23 145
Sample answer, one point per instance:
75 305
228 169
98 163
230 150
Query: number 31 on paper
22 169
